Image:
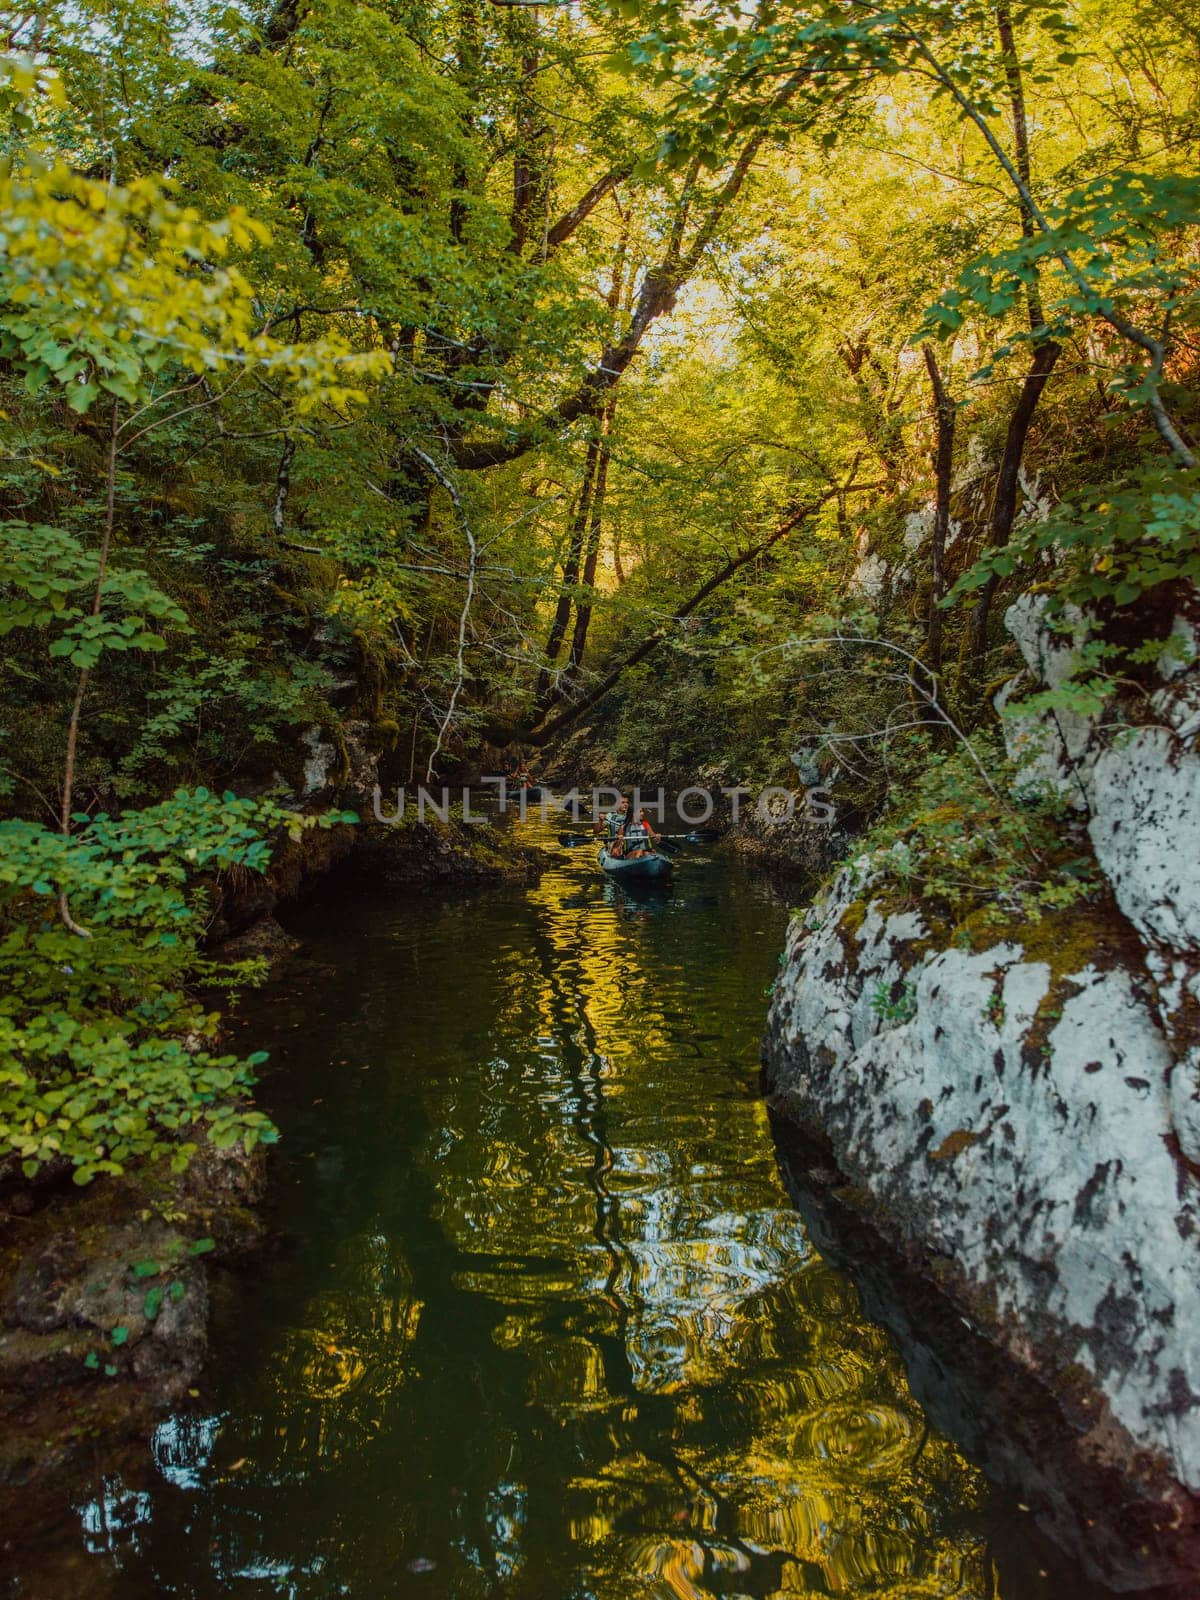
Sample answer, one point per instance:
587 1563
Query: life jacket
635 837
613 824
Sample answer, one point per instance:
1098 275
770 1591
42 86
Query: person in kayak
612 822
635 837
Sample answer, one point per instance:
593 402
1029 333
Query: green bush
953 845
105 1055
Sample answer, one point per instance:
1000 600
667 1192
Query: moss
1095 933
953 1143
852 919
849 924
292 602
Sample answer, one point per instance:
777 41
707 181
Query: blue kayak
637 869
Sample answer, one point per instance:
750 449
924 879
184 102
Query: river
542 1322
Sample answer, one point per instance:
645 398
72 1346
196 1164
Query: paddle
668 842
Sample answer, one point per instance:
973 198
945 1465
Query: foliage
412 366
1122 231
974 860
900 1006
105 1056
49 575
1111 544
107 287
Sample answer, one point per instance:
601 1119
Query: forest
462 370
791 394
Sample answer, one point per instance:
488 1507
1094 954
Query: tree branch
660 289
68 780
547 731
464 615
1154 348
583 208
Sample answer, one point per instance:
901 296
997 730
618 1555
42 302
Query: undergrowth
972 859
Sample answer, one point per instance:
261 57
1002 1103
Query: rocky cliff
1021 1122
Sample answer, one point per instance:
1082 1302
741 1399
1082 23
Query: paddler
635 837
612 822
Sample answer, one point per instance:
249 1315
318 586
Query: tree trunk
570 575
469 54
944 416
1004 506
531 175
585 533
73 725
583 608
542 735
657 296
1045 355
1020 122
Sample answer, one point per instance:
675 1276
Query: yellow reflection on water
794 1460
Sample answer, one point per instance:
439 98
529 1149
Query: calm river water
545 1325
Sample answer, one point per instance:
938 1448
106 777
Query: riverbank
105 1303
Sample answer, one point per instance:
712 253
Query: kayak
638 869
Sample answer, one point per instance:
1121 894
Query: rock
1023 1122
1144 795
319 763
95 1279
1138 783
1013 1128
265 940
800 842
1055 751
450 854
1185 1108
362 764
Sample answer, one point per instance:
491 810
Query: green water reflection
547 1326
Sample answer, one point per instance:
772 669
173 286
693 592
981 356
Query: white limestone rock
1031 1149
1144 797
319 762
1032 1136
1139 785
1054 752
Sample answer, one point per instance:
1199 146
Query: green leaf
81 395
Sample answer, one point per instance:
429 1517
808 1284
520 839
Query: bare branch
651 643
451 489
